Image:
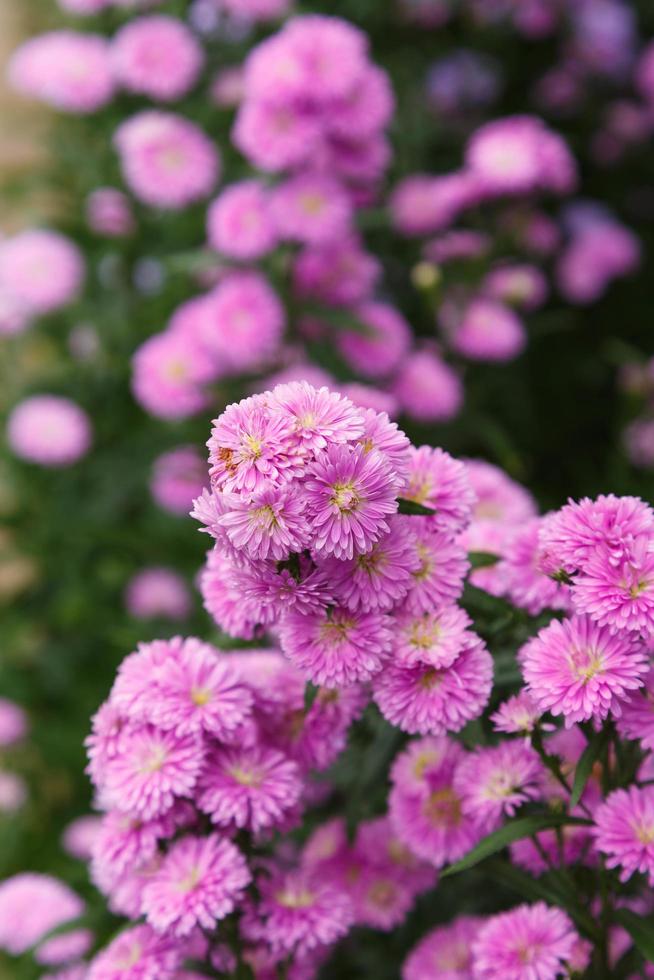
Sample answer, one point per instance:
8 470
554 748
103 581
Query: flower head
31 905
624 831
40 270
68 70
496 781
137 954
157 56
49 430
438 481
530 942
319 418
444 953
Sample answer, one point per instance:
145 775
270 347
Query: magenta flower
489 331
580 670
158 592
124 843
437 480
49 431
526 585
427 388
444 953
637 717
109 213
320 418
338 273
169 374
530 942
137 954
157 56
239 223
495 782
178 477
350 493
381 349
434 638
383 435
312 208
245 322
40 271
618 594
13 723
231 598
624 831
517 715
336 647
564 846
31 905
269 524
200 881
68 70
442 566
253 787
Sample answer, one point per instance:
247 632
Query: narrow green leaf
412 507
482 559
585 765
310 694
641 930
510 832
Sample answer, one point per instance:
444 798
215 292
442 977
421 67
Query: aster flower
32 905
444 953
564 846
423 757
442 566
530 942
434 638
520 572
268 524
381 434
320 418
517 715
223 585
637 714
253 787
157 56
495 782
437 480
427 388
68 70
350 493
624 831
580 670
252 448
169 374
109 213
158 592
489 331
381 900
499 498
379 579
124 843
619 595
338 273
246 320
379 350
274 591
424 699
200 881
49 430
336 647
137 954
40 271
239 224
150 769
310 207
378 845
178 477
13 722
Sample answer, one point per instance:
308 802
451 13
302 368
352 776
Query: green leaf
482 559
641 930
310 695
407 506
510 832
539 889
585 765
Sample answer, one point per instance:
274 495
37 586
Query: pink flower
169 375
311 208
624 831
530 942
178 477
31 905
489 331
422 204
366 396
79 835
246 322
382 347
436 638
253 787
597 254
618 594
517 715
442 564
319 417
499 498
563 847
438 481
338 273
167 161
336 647
428 389
257 9
158 593
200 881
41 270
383 435
274 137
49 430
13 792
64 948
637 717
350 493
239 224
13 723
520 572
578 669
156 56
137 954
109 213
424 699
444 953
236 611
66 69
270 524
496 782
524 286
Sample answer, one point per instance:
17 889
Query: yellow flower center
443 808
295 898
345 497
200 696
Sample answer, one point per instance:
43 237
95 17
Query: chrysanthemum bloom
253 787
379 846
437 480
624 831
350 493
637 718
638 441
299 912
381 900
383 435
275 136
64 948
499 498
596 255
14 317
336 647
580 670
124 843
167 161
338 273
619 595
381 577
239 224
31 905
437 579
570 536
156 56
169 373
381 345
428 700
137 954
517 715
40 269
78 837
495 782
239 615
13 722
13 792
489 331
520 154
150 769
49 430
178 477
427 388
524 286
247 321
530 942
158 592
444 953
456 245
310 207
422 204
435 638
109 213
526 585
319 417
66 69
201 880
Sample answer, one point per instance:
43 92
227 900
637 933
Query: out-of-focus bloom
445 953
527 942
310 208
64 948
178 477
167 161
381 346
495 782
517 715
638 439
239 224
523 286
644 76
439 481
618 594
31 905
422 204
108 212
600 250
637 718
68 70
624 831
80 835
40 269
49 430
169 375
489 331
157 56
246 321
257 9
13 792
138 951
13 722
339 273
158 592
428 389
463 80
